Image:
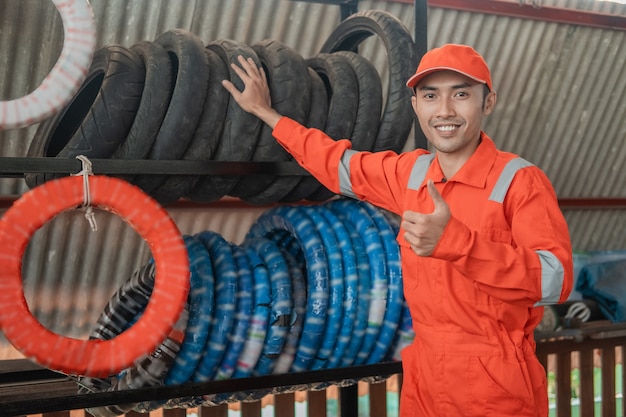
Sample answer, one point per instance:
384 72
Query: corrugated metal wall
561 104
560 86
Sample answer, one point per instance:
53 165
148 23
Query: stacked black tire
163 100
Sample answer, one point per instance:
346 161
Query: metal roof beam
529 11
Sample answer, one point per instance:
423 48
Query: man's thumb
438 200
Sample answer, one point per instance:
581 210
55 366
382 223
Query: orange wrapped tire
97 358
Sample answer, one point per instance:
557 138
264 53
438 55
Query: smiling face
450 108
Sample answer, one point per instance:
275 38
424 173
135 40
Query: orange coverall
476 300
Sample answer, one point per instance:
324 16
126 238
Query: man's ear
414 103
490 103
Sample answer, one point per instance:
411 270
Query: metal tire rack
27 388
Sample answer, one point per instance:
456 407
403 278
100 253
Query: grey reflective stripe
552 277
506 178
552 272
418 172
345 185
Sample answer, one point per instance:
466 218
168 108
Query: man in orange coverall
484 244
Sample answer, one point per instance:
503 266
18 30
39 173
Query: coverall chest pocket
469 290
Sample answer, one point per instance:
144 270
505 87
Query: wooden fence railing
596 345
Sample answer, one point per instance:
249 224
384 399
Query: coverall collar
474 172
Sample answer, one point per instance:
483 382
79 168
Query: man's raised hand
423 230
255 97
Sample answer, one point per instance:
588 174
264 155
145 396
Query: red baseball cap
459 58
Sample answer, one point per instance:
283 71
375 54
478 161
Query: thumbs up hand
423 230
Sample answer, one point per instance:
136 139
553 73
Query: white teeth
447 128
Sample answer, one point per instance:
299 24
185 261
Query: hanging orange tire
97 358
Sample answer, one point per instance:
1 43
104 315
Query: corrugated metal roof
561 104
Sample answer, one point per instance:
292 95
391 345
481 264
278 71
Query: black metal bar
14 371
346 11
421 27
17 166
420 10
30 403
349 8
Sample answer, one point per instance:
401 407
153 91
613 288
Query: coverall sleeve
373 177
537 269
